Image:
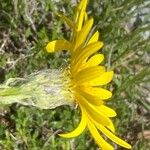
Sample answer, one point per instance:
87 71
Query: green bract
44 89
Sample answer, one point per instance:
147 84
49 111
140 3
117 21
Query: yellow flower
87 77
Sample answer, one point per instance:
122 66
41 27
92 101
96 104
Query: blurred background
25 29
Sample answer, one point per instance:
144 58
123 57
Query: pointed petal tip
112 72
101 44
128 146
91 19
79 129
48 48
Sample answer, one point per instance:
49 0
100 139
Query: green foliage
25 29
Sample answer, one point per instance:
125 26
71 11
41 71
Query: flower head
87 78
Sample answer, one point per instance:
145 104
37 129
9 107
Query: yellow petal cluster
87 77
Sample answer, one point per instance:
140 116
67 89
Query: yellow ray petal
90 99
82 4
88 51
103 79
80 20
88 74
95 60
83 54
58 45
93 111
80 13
86 16
94 38
82 35
79 129
99 140
97 92
113 137
107 111
111 127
